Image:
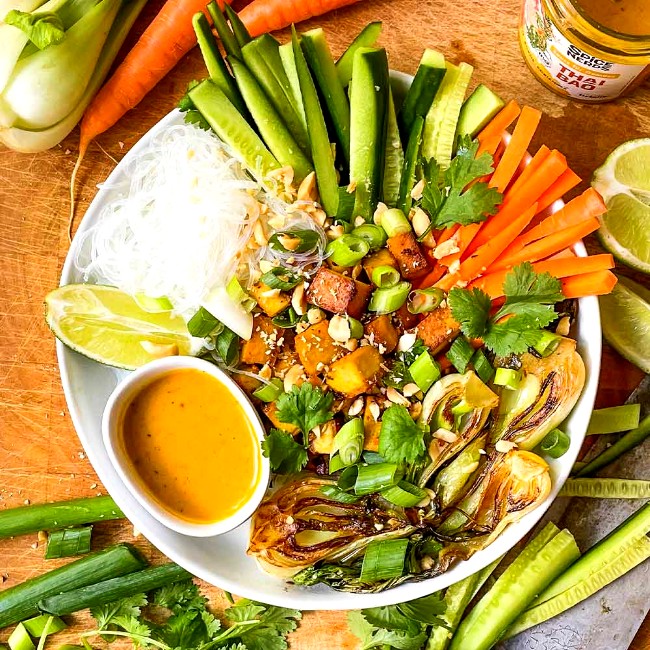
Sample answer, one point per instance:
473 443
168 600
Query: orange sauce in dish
622 16
192 446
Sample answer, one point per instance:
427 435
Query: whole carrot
262 16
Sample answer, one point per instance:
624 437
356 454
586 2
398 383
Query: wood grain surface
41 458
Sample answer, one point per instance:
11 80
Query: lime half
625 316
109 326
624 183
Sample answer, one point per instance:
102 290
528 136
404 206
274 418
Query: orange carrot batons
597 283
501 121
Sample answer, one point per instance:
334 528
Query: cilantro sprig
518 324
401 439
285 454
399 374
306 406
445 197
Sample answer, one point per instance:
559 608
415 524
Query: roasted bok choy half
54 57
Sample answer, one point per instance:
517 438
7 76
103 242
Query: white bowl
112 422
222 560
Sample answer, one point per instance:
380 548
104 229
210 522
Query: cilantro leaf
513 336
400 438
179 595
244 610
471 308
426 610
125 608
391 618
42 29
306 406
399 374
373 637
286 455
472 206
523 286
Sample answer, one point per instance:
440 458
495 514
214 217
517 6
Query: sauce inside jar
192 446
622 16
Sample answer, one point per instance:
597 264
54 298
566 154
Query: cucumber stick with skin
478 110
227 38
289 65
318 55
393 157
421 92
270 125
441 120
407 181
368 112
233 129
237 25
541 561
20 602
321 150
367 37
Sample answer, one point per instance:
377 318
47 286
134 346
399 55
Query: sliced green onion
556 443
334 493
348 441
374 478
348 477
347 250
547 343
404 494
203 323
68 542
237 294
508 378
630 440
335 464
356 327
460 354
394 222
614 419
45 623
424 371
606 488
280 278
482 366
373 458
384 277
386 301
153 305
346 225
19 639
271 391
294 241
422 301
286 319
375 236
384 559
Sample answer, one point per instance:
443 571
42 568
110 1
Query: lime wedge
624 183
109 326
625 315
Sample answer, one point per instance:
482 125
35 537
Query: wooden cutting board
40 455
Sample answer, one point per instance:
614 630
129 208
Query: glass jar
577 57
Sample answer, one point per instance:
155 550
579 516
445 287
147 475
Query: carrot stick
447 234
528 169
547 246
517 147
501 121
475 265
492 283
489 144
262 16
431 278
589 204
566 182
563 254
597 283
464 237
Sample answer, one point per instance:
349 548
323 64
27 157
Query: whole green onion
394 222
68 542
349 441
375 236
384 277
547 343
424 371
422 301
347 250
556 443
384 559
404 494
386 301
374 478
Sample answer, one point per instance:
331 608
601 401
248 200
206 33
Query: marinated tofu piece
404 319
371 426
382 257
263 345
270 301
356 372
357 306
331 291
410 259
271 412
381 331
316 348
245 382
438 329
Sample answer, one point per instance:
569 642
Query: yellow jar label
576 73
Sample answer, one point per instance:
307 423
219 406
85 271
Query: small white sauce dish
112 422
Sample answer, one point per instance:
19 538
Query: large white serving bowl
222 560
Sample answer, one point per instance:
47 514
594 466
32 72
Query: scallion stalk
68 542
614 419
424 371
386 301
19 639
271 391
108 591
294 241
20 602
348 477
374 478
422 301
606 488
348 441
335 464
394 222
404 494
384 559
556 443
508 378
547 343
373 235
460 354
334 493
51 516
347 250
203 323
385 277
44 624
